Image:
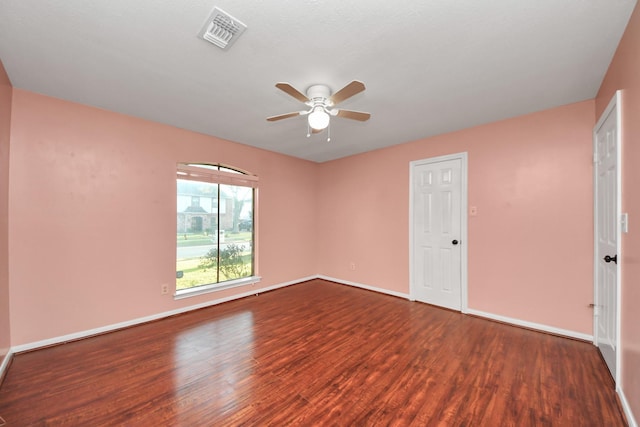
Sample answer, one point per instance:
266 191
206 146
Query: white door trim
615 103
463 224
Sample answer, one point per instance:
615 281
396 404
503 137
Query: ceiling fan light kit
318 118
321 102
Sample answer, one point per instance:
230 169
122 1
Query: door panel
607 214
437 216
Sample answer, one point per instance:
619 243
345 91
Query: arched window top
219 167
216 173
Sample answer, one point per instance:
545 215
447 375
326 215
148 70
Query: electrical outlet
164 289
352 266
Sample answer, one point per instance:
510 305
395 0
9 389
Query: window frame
221 175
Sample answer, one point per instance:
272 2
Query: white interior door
438 232
607 234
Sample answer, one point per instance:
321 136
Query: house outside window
215 239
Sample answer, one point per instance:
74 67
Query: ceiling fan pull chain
308 129
329 132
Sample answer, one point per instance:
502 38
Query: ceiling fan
321 101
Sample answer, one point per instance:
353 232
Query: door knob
611 258
455 242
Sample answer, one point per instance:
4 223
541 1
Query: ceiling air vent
221 29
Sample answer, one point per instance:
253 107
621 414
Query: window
215 228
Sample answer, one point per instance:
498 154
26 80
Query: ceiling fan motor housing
319 92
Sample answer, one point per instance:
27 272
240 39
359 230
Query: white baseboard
504 319
140 320
531 325
5 363
627 409
121 325
367 287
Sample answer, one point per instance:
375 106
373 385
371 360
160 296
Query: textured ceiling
430 67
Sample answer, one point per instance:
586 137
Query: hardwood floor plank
317 353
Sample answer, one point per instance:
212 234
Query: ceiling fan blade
353 115
285 116
346 92
290 90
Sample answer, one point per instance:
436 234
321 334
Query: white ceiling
430 66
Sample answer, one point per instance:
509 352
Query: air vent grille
222 29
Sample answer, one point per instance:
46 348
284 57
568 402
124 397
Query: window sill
215 287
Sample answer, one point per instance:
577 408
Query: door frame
463 223
614 104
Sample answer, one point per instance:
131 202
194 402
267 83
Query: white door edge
463 226
615 103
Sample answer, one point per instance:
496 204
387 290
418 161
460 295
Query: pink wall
530 246
93 215
90 206
5 124
624 74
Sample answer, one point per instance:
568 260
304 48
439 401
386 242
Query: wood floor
314 354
